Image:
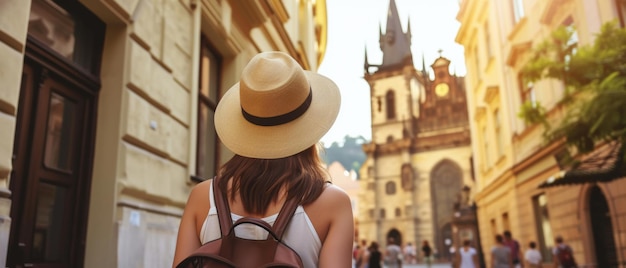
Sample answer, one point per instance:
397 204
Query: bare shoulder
198 203
333 194
334 219
332 202
200 192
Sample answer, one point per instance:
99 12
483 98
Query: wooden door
52 170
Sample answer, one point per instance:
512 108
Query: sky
353 26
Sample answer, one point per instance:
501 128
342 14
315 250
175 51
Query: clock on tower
442 89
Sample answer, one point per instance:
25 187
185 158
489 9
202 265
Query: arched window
398 212
390 99
389 139
407 177
390 188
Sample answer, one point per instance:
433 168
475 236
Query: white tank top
300 234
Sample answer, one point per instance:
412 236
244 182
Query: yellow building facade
106 116
511 159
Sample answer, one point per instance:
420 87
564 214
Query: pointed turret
381 36
396 45
408 31
425 74
366 64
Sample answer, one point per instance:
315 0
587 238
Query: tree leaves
595 81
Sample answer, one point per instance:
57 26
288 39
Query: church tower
419 158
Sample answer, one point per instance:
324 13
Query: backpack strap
223 210
226 221
284 217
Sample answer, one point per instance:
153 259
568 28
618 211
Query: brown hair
258 182
499 238
374 246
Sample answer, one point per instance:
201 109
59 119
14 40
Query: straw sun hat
277 109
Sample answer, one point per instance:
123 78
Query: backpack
231 251
566 259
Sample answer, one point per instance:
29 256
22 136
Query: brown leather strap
284 217
223 209
226 221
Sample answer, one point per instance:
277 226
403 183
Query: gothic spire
425 74
424 64
366 64
381 36
396 45
408 30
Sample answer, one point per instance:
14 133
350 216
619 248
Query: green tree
595 87
350 154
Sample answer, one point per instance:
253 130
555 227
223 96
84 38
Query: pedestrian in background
364 256
393 254
452 253
532 256
375 256
409 253
427 251
361 254
563 254
501 254
272 120
466 256
516 250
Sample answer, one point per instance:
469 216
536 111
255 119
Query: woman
532 256
364 257
501 254
375 256
272 120
361 254
393 254
466 257
427 251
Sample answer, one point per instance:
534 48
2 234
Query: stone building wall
146 125
508 190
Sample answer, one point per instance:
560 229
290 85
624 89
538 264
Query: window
477 62
518 10
390 99
398 212
207 101
494 228
527 90
486 148
542 223
68 31
488 41
497 121
390 188
382 213
505 221
573 39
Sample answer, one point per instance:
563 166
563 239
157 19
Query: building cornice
548 13
491 93
542 153
516 51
